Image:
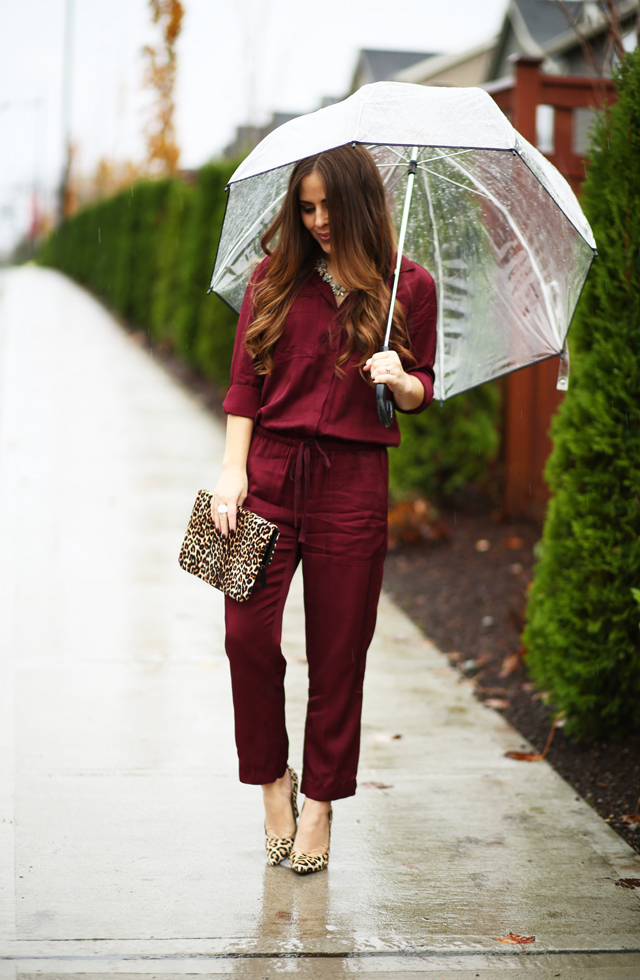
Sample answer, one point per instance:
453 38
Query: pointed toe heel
279 848
306 864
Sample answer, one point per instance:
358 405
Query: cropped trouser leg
341 539
253 636
341 604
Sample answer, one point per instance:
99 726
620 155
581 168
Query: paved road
127 845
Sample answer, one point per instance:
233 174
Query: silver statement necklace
337 290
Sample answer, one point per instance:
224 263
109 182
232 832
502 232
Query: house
544 28
379 66
539 28
468 67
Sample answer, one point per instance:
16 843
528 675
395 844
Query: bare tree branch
587 48
609 10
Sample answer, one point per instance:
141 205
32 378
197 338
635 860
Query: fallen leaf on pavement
377 785
628 882
511 939
631 818
510 664
537 756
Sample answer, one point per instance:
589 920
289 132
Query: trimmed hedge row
148 252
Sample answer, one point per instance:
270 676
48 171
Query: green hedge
582 635
149 251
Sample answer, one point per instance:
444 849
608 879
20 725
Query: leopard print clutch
231 564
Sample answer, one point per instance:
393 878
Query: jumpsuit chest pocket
300 335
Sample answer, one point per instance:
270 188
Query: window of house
545 123
582 119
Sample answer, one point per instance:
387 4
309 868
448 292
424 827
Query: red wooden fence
531 397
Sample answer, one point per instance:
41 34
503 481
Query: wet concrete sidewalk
127 845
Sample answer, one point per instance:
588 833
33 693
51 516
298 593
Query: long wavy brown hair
363 246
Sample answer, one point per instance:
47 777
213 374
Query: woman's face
313 210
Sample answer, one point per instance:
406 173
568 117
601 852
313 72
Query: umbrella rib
440 321
454 182
248 235
516 230
404 160
449 156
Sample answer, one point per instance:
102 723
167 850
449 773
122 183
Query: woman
305 450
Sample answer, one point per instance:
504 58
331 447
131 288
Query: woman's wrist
411 393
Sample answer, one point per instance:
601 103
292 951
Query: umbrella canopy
493 221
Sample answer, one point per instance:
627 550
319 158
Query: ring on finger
223 509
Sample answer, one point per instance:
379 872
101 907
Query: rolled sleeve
427 383
242 400
421 305
245 391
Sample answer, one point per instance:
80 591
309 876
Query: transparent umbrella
493 221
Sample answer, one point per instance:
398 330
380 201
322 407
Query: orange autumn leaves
537 756
415 521
160 77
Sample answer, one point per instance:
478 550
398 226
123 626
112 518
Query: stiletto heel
279 848
304 864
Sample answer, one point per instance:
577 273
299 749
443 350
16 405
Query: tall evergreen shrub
582 636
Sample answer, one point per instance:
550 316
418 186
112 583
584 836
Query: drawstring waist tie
302 468
301 475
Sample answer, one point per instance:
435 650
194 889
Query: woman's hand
232 487
386 368
231 490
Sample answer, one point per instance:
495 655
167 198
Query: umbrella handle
384 406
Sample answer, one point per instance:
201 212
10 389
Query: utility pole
67 86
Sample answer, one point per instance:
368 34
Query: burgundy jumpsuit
317 468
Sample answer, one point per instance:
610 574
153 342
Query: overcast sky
237 61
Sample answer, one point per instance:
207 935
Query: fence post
530 400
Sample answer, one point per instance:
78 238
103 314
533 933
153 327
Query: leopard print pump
305 864
279 848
